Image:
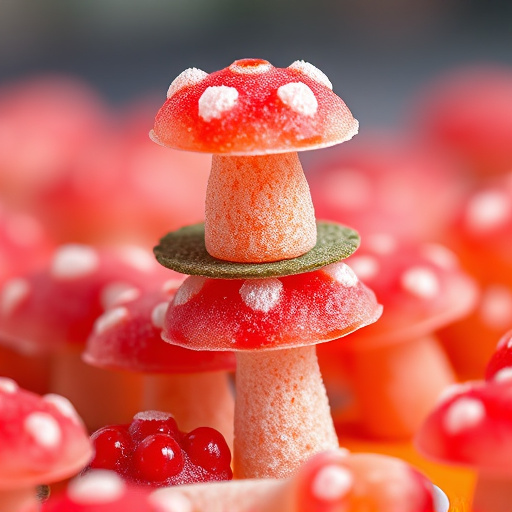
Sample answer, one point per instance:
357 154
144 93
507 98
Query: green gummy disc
184 251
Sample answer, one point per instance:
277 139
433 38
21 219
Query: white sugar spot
503 375
421 282
110 319
190 76
158 315
331 483
453 390
299 97
153 136
74 261
64 406
43 428
312 71
95 487
463 414
12 295
216 100
440 256
488 210
138 258
341 273
496 307
8 386
170 499
380 243
257 69
261 294
190 288
366 267
153 416
118 293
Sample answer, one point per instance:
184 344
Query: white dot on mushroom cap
118 293
312 71
421 282
299 97
8 386
138 258
170 500
440 255
495 308
365 266
331 483
503 375
257 69
171 285
261 294
158 315
341 273
12 295
98 486
190 288
453 390
216 100
463 414
43 428
488 210
190 76
64 406
73 261
110 319
380 243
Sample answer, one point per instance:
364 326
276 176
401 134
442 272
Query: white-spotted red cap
42 439
253 108
499 367
128 337
101 491
471 426
421 286
58 305
299 310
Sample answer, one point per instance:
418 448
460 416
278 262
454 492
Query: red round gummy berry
207 448
112 447
157 458
147 423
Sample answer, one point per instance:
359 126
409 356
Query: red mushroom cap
128 337
471 426
421 286
253 108
101 491
58 305
42 439
499 367
298 310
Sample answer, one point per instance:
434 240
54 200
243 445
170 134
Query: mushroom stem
195 400
282 415
258 209
492 493
101 397
393 397
19 500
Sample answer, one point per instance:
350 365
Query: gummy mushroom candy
282 415
499 366
471 427
330 481
152 451
396 368
52 311
254 118
194 386
42 440
101 491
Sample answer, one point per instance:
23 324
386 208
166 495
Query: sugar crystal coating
186 78
191 287
299 97
216 100
341 273
44 429
261 294
250 66
99 486
312 71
